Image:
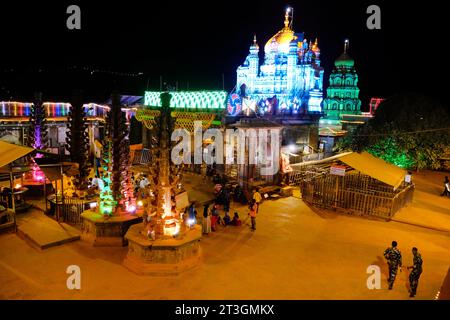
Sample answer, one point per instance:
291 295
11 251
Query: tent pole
13 203
62 189
45 193
56 199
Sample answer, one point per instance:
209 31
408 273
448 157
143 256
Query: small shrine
166 242
106 222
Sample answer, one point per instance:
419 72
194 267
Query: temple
342 92
342 106
290 77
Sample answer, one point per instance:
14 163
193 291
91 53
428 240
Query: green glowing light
389 151
189 99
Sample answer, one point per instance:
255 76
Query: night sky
127 45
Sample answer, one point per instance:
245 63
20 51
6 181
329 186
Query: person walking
415 273
206 225
252 213
257 197
394 261
446 187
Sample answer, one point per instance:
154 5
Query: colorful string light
189 99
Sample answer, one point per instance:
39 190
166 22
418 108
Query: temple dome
281 40
344 60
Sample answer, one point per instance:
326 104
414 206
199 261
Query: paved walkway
297 252
199 190
428 209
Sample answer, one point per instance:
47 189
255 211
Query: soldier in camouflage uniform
415 273
394 260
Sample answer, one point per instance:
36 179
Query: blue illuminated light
290 78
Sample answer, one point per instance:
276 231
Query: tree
78 141
408 130
37 131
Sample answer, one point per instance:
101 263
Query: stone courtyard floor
295 253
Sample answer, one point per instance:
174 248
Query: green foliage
388 150
395 133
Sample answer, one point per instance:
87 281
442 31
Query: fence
70 211
354 193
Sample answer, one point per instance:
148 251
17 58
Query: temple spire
286 18
254 40
346 43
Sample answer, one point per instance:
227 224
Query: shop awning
10 152
367 164
375 167
52 168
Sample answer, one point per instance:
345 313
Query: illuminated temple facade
343 92
290 78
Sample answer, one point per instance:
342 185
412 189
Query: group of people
140 182
212 219
95 184
394 261
223 197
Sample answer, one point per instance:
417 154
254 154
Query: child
252 213
214 218
226 219
236 221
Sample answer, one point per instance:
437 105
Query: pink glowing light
38 175
131 209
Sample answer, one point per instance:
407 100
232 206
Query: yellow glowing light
17 186
167 207
140 203
171 227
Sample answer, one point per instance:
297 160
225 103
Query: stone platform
162 257
43 232
107 231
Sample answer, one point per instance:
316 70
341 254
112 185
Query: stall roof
366 163
375 167
10 152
